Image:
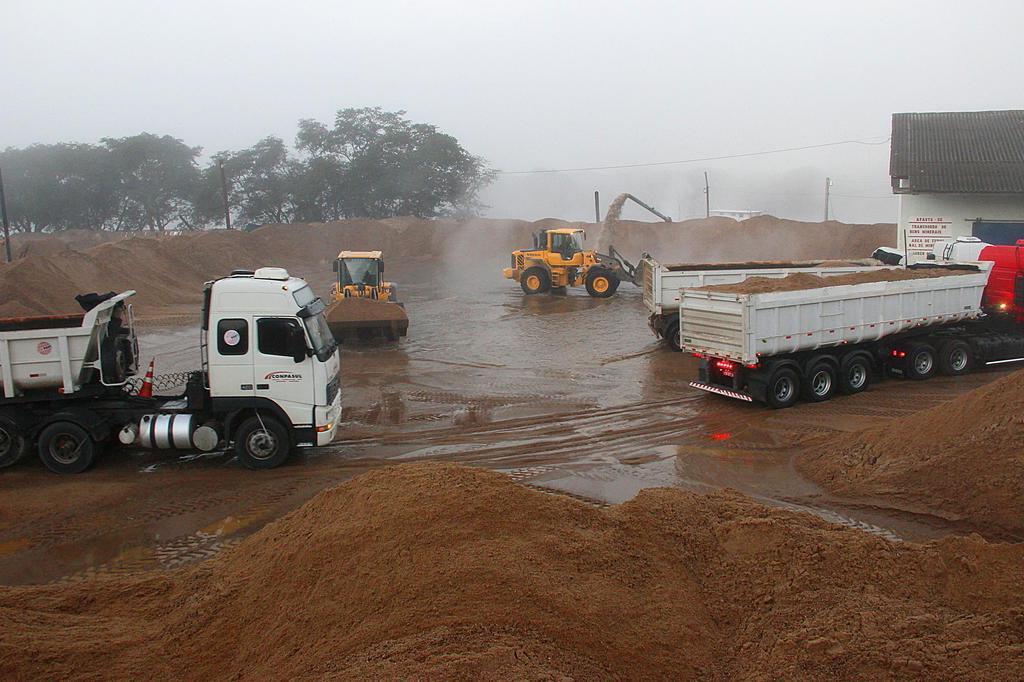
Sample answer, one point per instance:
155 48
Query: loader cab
359 269
566 242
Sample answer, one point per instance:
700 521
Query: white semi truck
269 379
662 283
781 346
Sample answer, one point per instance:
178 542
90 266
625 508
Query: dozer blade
366 319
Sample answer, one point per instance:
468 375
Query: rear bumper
729 393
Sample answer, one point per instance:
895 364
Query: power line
695 160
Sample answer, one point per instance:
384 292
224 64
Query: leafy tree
263 181
159 180
387 166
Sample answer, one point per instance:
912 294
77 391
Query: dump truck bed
662 282
744 327
51 352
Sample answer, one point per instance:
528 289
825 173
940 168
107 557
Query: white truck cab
267 345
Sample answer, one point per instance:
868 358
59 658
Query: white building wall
927 218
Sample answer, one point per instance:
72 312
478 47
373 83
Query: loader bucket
366 319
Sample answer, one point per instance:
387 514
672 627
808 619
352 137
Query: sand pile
803 280
169 270
437 571
963 459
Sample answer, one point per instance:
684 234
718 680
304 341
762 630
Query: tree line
369 163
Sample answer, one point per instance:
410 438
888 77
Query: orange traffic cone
147 384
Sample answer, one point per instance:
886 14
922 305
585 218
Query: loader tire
14 444
601 283
66 448
535 280
262 443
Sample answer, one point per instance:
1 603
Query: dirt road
566 392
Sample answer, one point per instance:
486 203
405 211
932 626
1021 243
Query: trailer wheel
601 282
671 335
854 374
535 280
66 448
819 382
13 443
783 388
920 362
262 443
955 358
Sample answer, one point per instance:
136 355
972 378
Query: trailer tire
920 362
955 358
819 382
14 444
601 282
66 448
262 443
854 374
535 280
671 335
783 388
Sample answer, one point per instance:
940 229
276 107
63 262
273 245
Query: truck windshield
312 314
359 271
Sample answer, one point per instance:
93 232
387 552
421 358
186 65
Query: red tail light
899 353
726 368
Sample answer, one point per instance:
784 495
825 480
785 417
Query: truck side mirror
297 344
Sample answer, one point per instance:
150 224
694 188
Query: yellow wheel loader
558 260
363 305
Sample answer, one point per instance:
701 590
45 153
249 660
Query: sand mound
970 465
169 270
437 571
803 280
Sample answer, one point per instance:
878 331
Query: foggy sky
532 85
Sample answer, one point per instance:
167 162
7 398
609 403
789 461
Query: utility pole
828 188
597 206
707 196
224 194
7 222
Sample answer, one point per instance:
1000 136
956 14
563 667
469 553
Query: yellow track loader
363 305
558 260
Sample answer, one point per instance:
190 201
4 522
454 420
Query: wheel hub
783 389
261 444
600 285
821 383
959 359
857 376
923 363
64 449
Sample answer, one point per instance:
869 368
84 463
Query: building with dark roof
958 173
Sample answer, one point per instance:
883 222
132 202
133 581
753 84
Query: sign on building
922 233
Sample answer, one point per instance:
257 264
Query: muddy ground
564 392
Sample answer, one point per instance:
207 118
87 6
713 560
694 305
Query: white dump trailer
776 346
662 283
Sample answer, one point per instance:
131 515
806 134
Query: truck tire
601 282
920 361
955 358
14 444
66 448
783 388
535 280
262 443
854 374
671 335
819 382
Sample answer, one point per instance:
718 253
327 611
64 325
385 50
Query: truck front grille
332 389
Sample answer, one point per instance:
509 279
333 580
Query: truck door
278 376
231 358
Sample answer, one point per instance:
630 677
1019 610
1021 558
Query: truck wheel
819 382
671 335
920 362
535 280
601 282
783 389
955 358
854 374
66 448
13 443
262 443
